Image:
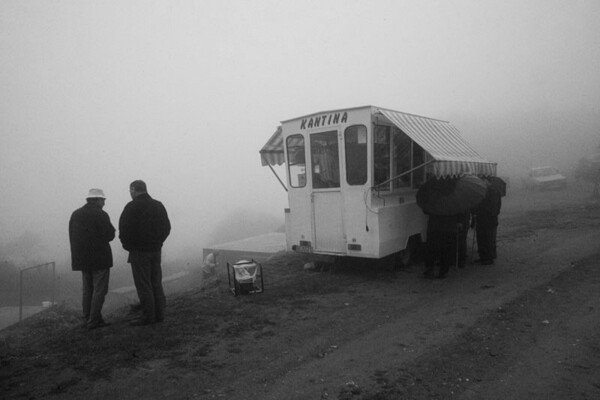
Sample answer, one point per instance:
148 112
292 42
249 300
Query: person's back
143 227
490 206
90 232
144 224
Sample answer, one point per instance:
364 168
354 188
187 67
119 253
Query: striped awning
452 154
272 152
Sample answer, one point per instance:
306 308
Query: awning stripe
437 135
444 143
272 151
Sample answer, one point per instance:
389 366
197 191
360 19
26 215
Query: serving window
296 160
394 154
355 141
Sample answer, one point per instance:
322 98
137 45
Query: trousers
486 229
147 276
95 287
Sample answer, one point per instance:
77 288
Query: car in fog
545 178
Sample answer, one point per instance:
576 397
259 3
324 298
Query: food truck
353 175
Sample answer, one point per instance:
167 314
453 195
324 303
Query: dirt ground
527 327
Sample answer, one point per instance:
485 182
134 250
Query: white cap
95 193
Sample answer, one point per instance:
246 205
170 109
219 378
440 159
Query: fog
184 94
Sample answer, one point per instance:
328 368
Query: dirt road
524 328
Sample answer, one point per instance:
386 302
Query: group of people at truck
447 234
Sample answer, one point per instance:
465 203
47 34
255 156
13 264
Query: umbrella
497 184
451 196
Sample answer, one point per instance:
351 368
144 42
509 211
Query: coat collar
143 196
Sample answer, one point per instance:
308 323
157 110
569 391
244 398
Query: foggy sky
183 94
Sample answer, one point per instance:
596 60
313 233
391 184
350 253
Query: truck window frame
356 151
394 152
296 153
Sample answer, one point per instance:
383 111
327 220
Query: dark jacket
144 224
442 223
490 205
90 232
486 214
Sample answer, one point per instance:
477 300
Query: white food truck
353 175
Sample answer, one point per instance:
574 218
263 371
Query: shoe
140 322
96 325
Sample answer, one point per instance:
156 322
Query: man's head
96 196
136 188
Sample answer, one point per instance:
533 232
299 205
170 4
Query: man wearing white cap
90 233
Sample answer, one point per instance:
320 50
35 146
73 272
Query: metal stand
51 264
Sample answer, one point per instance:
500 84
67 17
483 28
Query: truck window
355 141
296 160
325 164
402 146
395 153
381 156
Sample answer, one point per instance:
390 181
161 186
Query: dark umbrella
497 184
451 196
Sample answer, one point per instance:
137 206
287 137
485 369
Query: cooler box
245 277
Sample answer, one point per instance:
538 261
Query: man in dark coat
486 225
90 232
143 227
441 246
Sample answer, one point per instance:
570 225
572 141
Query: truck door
326 195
